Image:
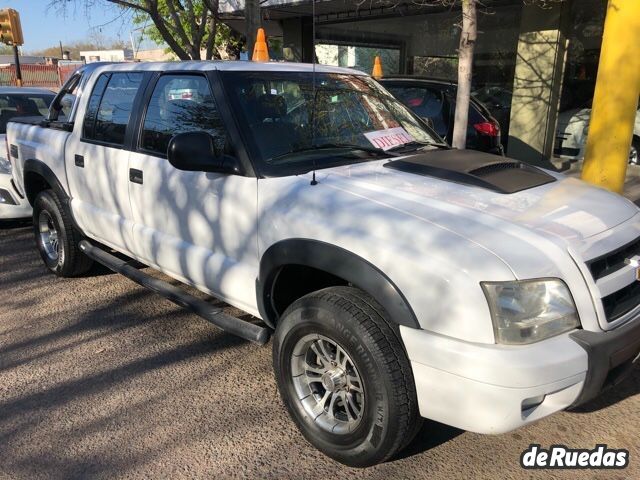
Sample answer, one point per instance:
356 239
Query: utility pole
16 57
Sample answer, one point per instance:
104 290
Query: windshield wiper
330 146
419 145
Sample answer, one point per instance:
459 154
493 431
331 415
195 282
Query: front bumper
12 206
497 388
611 356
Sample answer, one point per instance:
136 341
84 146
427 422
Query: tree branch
164 32
213 6
177 25
133 6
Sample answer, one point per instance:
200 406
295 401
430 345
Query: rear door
97 156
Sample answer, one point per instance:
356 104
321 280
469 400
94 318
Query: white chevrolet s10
401 279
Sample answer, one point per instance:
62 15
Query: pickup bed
401 279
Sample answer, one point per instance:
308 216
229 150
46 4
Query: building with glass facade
533 61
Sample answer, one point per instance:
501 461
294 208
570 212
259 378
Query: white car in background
571 135
17 102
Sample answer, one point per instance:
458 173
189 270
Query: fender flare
40 168
336 261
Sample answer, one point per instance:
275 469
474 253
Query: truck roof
223 65
24 90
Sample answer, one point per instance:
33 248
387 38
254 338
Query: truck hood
566 208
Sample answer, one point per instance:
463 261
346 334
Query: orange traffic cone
260 50
377 68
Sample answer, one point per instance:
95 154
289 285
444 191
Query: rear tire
344 376
56 238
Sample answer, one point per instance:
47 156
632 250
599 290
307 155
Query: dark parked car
435 101
497 99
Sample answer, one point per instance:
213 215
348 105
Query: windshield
296 121
22 105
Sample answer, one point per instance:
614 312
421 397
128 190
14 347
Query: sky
44 27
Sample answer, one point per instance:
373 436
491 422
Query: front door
97 159
198 227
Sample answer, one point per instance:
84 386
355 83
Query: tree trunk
465 65
211 41
252 21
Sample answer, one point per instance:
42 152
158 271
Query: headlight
531 310
5 165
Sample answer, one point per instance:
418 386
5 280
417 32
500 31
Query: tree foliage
225 43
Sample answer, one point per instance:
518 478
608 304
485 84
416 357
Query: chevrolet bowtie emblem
635 263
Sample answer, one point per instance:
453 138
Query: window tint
181 103
92 107
115 108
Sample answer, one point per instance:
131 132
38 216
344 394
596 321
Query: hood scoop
478 169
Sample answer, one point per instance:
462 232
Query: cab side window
180 103
92 108
112 107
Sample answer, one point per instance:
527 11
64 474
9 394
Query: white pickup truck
402 279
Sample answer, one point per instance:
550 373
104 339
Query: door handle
79 160
135 176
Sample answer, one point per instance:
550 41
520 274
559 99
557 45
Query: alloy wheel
327 384
49 239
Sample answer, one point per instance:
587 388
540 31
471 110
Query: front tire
56 239
344 376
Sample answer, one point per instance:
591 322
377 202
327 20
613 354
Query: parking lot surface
100 378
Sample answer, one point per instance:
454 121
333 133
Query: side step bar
215 315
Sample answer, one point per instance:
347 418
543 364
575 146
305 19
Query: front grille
621 302
612 261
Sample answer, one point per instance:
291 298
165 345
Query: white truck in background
17 102
402 279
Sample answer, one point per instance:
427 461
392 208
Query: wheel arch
285 264
38 177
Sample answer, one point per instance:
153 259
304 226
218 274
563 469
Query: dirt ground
100 378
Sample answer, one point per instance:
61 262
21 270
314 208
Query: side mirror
196 152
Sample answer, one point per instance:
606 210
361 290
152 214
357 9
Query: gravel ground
100 378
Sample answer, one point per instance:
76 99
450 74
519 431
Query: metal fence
46 76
